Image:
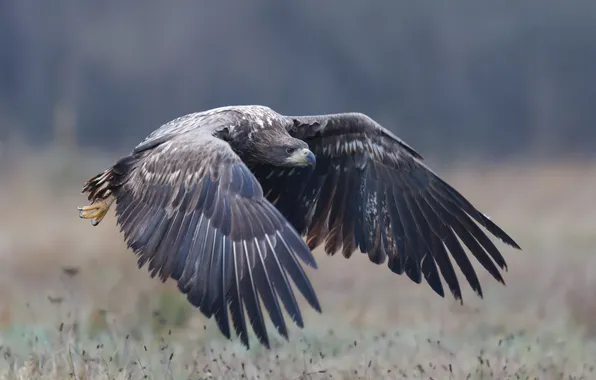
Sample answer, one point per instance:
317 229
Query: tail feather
102 190
102 185
98 187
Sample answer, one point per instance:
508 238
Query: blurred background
499 97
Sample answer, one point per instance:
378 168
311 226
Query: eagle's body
219 200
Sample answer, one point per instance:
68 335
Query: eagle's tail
100 190
98 187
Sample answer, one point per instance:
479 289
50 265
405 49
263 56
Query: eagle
231 202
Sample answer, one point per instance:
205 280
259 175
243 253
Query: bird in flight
221 200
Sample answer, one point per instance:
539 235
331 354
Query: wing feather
283 289
193 211
371 191
268 293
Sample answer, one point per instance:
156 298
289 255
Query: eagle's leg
97 210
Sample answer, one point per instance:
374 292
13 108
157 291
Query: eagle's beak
305 157
310 158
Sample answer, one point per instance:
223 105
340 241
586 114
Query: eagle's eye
290 150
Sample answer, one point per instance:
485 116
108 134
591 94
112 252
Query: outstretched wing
191 209
371 191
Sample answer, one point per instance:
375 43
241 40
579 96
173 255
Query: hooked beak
310 158
304 157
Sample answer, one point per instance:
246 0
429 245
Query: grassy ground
73 304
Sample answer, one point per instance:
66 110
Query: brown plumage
219 201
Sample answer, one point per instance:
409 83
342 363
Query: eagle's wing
192 210
371 191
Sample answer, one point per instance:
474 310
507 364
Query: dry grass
110 320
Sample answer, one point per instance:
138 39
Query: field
73 304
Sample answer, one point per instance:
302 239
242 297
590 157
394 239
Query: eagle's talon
95 211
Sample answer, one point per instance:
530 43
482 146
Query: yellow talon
96 211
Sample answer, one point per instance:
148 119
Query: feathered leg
100 195
102 189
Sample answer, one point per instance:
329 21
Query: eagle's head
280 149
293 154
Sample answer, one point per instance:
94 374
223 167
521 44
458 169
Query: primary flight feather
220 201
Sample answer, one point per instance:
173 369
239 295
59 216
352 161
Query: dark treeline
494 78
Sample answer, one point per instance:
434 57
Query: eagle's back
239 121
